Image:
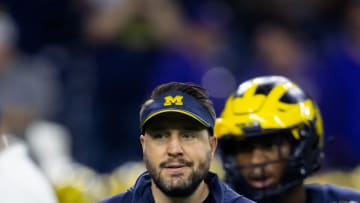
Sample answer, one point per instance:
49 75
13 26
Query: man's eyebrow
197 128
152 130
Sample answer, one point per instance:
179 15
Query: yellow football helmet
264 106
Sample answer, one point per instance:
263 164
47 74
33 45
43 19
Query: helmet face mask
255 165
267 113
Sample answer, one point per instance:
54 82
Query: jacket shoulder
124 197
233 197
334 193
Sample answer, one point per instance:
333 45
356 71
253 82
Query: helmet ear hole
304 131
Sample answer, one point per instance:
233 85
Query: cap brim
197 118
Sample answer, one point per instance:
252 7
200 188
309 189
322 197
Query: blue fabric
328 193
141 192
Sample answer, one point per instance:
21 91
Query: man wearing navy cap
178 144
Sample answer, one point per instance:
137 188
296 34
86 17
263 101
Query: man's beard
187 186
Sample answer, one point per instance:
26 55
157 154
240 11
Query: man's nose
258 156
175 147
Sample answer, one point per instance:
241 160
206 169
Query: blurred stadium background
73 74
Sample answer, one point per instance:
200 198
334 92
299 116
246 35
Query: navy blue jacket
141 192
331 194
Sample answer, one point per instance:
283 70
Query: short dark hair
196 91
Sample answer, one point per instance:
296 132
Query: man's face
263 159
177 152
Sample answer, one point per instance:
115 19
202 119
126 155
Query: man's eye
158 136
188 135
270 145
245 148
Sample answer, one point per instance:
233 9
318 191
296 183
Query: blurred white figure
20 179
50 144
20 95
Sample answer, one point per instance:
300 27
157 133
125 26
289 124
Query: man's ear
213 145
142 141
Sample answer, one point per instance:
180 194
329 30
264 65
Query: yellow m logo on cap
170 100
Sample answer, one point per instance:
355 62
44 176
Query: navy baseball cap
179 102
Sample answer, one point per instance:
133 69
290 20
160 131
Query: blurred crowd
73 74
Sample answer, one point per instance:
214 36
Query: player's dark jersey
141 192
331 194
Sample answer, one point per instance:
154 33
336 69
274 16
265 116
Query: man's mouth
174 165
260 182
175 168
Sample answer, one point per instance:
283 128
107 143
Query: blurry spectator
21 180
280 50
97 72
51 143
312 16
341 84
72 181
28 87
199 51
126 41
41 22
